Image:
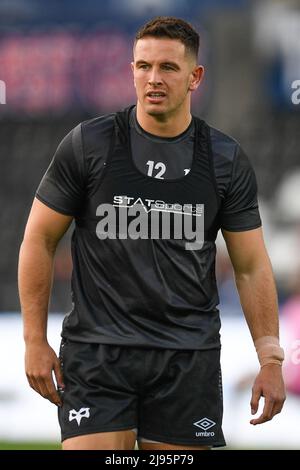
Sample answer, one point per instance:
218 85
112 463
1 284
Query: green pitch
30 445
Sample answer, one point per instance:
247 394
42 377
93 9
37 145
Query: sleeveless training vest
140 278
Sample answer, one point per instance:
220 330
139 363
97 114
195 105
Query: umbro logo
205 424
78 415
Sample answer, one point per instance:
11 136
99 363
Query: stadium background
66 61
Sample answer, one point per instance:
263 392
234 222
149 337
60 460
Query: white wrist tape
269 351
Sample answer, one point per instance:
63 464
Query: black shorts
172 396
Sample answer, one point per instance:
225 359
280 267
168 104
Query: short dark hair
173 28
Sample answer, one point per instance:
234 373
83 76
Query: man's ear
132 68
197 76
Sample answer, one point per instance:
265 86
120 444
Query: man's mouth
155 96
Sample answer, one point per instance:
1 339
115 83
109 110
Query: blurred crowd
70 62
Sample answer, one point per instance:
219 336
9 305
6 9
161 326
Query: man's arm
257 291
44 229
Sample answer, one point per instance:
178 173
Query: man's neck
163 127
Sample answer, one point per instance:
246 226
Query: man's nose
155 78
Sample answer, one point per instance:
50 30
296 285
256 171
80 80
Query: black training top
139 277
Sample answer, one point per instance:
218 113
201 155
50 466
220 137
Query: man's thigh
182 403
166 446
119 440
99 395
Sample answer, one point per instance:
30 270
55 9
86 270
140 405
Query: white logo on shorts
205 424
78 415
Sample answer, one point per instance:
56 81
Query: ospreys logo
78 415
134 218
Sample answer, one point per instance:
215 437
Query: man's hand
40 361
268 384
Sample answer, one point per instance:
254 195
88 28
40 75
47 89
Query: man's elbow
38 242
258 269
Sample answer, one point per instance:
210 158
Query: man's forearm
256 286
35 278
258 297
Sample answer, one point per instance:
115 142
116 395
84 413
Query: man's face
164 75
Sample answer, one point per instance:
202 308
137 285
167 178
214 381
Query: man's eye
143 66
167 67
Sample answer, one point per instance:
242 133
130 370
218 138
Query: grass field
29 445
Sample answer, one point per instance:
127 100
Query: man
148 188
